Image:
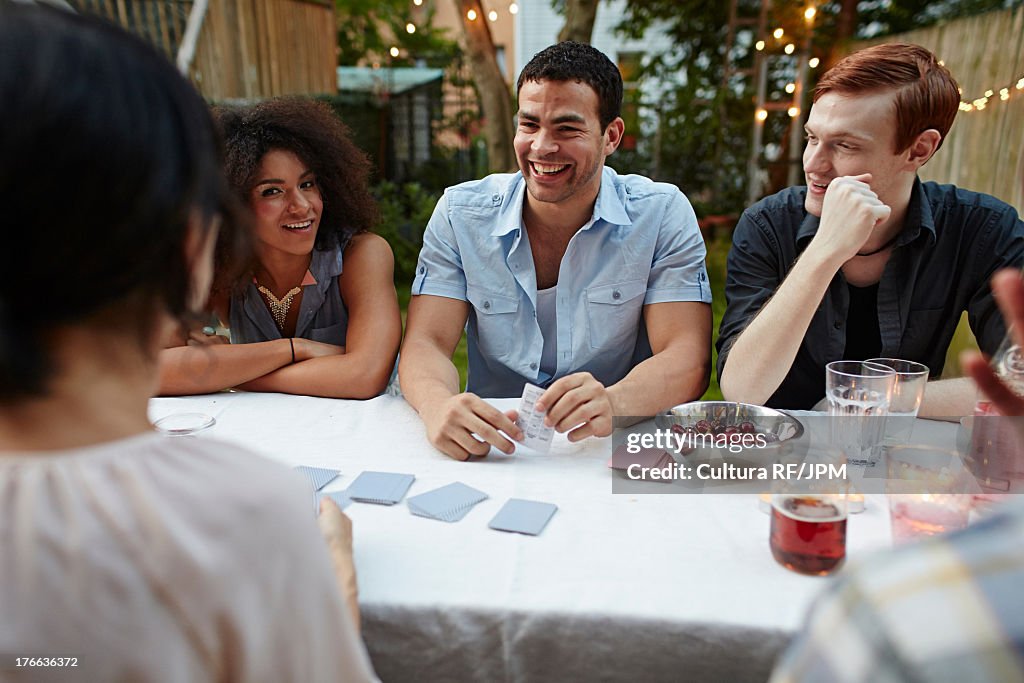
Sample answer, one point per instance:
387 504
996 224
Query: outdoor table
617 587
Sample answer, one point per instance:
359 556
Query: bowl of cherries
728 428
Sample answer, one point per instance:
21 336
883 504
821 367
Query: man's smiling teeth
548 169
298 226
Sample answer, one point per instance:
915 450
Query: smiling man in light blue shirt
570 276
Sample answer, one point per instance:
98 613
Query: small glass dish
183 424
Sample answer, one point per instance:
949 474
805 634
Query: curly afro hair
313 132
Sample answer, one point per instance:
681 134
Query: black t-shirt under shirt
863 338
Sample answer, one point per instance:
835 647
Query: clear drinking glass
858 394
184 424
930 491
907 393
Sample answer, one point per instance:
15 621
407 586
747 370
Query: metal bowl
783 426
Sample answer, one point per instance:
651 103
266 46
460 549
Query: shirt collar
609 207
919 218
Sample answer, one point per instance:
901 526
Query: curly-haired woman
316 312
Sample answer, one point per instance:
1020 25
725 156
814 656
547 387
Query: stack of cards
318 477
535 435
523 516
449 503
381 488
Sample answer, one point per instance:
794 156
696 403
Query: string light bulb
790 47
471 15
814 62
492 15
410 28
809 13
980 103
790 87
778 33
393 51
759 45
513 8
761 114
793 112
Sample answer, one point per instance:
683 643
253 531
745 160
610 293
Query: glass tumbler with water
858 394
907 394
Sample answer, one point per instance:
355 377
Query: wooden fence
263 48
247 49
985 148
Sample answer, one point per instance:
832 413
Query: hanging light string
979 103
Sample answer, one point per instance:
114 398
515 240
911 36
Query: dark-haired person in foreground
571 277
316 312
947 608
866 260
127 555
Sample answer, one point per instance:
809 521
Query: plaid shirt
949 608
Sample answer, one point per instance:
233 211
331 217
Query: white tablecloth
617 587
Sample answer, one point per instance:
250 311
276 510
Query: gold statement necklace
279 307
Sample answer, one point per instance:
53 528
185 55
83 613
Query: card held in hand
535 435
449 503
523 516
318 477
381 488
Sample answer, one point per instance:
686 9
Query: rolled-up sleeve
439 269
752 277
678 272
1002 246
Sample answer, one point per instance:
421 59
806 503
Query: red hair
927 96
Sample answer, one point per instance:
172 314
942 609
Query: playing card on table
535 434
523 516
382 488
318 477
449 503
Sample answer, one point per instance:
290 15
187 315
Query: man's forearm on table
949 398
426 375
764 352
664 380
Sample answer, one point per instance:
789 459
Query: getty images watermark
734 442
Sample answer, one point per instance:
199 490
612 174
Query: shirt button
496 198
837 324
533 366
616 294
487 305
422 270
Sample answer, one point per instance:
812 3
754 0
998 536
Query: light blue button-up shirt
641 246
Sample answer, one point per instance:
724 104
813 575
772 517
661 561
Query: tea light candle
927 514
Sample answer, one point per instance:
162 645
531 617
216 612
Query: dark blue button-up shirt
953 240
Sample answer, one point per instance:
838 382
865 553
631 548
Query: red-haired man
865 260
